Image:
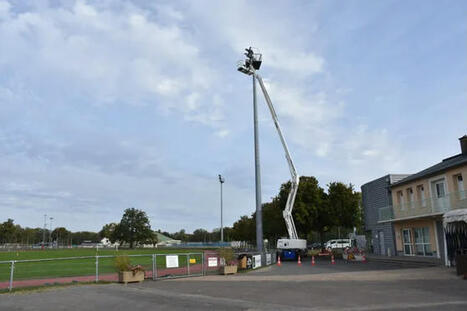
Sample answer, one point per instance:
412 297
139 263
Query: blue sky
114 104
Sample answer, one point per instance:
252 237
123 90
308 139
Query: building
376 194
419 202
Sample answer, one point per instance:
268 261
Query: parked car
339 243
315 245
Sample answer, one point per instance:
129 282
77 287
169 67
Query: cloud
107 54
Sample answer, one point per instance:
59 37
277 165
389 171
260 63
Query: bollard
12 269
153 267
188 264
97 269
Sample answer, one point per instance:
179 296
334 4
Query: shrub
228 255
313 252
122 263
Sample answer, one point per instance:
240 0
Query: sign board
256 261
212 262
192 260
268 259
171 261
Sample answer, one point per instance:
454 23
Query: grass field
82 267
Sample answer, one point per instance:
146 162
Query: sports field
51 266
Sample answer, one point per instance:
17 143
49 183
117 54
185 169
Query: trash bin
242 261
461 264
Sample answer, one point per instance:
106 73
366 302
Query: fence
52 271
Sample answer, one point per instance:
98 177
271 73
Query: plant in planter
127 272
228 257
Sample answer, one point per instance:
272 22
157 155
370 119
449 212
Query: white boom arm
287 213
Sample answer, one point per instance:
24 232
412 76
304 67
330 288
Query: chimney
463 141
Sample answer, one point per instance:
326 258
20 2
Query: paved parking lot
356 286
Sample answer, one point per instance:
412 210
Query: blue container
289 255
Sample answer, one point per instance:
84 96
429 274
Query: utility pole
43 232
221 181
50 235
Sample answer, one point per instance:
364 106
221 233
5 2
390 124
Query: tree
180 235
108 231
273 222
244 229
310 210
199 235
8 231
344 205
60 234
134 227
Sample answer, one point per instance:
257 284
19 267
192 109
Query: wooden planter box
228 270
129 277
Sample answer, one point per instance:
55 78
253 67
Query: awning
455 220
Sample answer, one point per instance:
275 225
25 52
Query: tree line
318 215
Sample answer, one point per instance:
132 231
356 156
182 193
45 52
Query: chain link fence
53 271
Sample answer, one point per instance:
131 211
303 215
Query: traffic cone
299 261
312 260
364 259
332 260
279 261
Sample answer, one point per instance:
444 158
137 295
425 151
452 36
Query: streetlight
221 181
249 66
43 233
50 237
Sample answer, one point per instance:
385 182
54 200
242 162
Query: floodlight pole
259 213
221 181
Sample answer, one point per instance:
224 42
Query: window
460 186
440 193
410 196
407 240
440 201
422 241
421 195
400 199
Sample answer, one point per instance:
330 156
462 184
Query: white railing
451 201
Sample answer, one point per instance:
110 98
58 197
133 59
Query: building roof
163 238
447 163
390 178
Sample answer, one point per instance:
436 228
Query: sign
268 259
256 261
171 261
212 262
192 260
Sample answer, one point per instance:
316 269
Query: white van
340 243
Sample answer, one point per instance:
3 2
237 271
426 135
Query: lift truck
291 247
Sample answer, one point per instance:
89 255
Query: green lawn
81 267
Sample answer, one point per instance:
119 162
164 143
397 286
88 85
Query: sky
107 105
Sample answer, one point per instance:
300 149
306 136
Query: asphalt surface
356 286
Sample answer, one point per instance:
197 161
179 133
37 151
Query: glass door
407 240
422 242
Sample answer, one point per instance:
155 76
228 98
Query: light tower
221 181
249 66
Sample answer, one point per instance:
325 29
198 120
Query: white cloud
108 54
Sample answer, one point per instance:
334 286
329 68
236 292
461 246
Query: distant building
419 202
165 240
376 195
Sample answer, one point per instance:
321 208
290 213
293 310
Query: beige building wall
451 187
410 224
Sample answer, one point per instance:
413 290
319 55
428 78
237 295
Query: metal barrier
50 271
